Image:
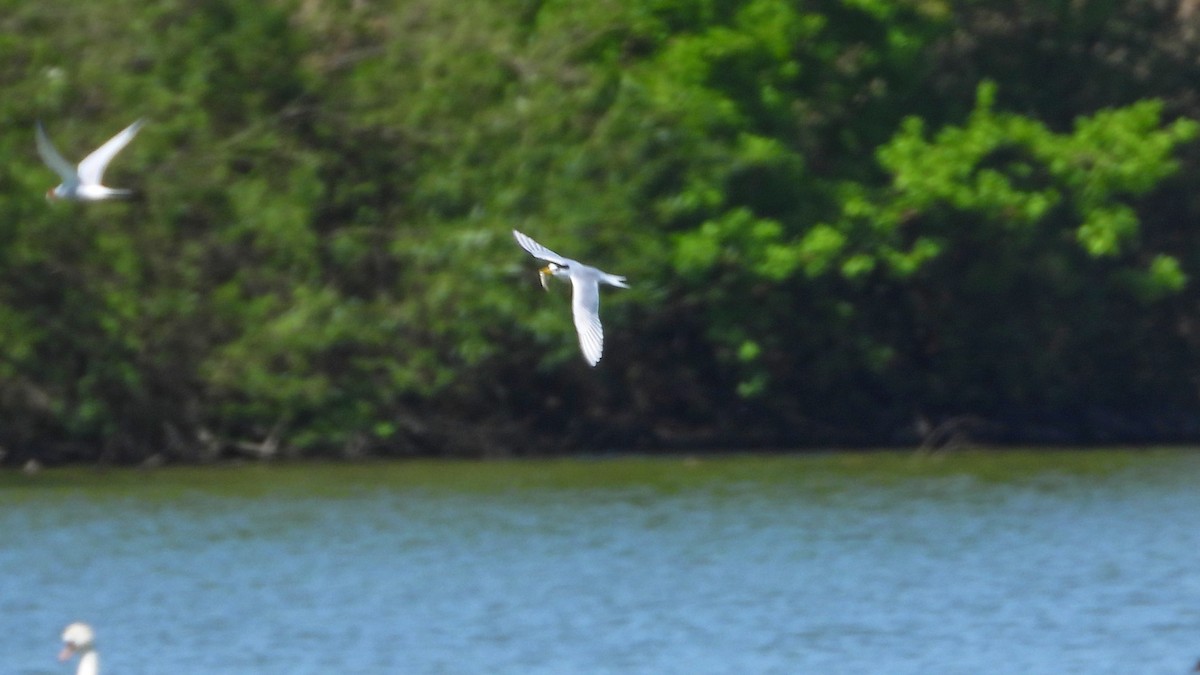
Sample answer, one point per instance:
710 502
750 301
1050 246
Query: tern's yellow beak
543 274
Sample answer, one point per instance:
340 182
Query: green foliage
1011 169
825 217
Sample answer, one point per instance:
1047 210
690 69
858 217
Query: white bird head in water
78 638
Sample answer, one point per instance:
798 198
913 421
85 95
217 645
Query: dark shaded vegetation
844 222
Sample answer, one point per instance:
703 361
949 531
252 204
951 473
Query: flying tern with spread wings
585 296
83 183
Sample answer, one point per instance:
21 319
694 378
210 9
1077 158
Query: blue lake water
864 563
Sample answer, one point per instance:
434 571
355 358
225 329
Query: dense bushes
843 221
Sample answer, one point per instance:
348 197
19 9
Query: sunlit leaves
1011 171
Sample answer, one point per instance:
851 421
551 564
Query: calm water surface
861 563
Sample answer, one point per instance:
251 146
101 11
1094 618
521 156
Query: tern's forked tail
614 280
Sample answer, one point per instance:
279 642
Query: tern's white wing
585 305
55 161
91 169
540 251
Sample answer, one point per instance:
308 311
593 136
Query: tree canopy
843 222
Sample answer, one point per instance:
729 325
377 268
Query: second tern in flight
585 296
83 183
